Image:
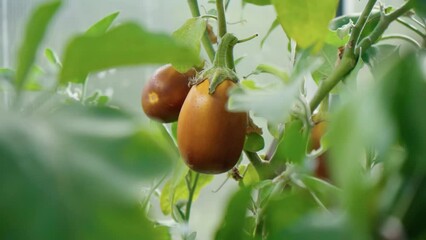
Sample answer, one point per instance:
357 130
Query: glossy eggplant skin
210 138
165 92
321 168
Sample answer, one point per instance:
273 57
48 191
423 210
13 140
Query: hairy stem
208 47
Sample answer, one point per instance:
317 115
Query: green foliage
177 192
36 28
190 34
292 147
127 44
237 207
102 25
79 168
293 16
420 8
254 142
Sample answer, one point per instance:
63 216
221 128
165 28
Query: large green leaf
34 33
190 34
127 44
306 21
76 174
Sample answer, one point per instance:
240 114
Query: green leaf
190 34
292 147
127 44
173 193
334 38
277 99
377 54
284 211
254 142
250 176
306 21
234 221
258 2
76 174
274 25
406 94
328 194
102 25
264 68
276 102
315 226
420 8
52 57
370 25
34 33
329 55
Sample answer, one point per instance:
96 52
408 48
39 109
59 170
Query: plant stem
221 18
382 26
208 47
225 51
346 65
263 169
402 37
356 31
351 52
411 27
191 190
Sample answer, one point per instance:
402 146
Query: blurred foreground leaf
306 21
76 174
127 44
34 33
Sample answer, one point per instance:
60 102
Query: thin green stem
356 31
411 27
263 169
208 47
191 190
151 191
346 65
401 37
382 26
221 17
247 39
